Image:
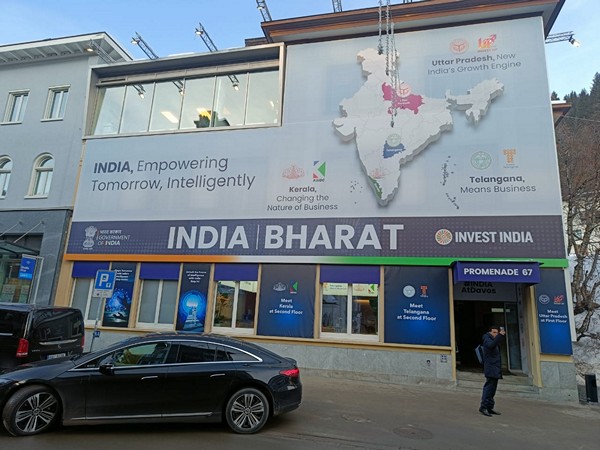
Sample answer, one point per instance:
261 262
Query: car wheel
247 411
30 410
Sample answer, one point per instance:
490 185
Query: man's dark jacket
492 364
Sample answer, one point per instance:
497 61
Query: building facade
44 86
368 203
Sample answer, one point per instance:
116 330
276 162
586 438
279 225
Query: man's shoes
495 413
485 412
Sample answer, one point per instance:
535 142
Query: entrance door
473 319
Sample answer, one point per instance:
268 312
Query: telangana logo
487 44
459 46
424 288
90 234
293 172
481 160
510 155
544 299
319 170
443 236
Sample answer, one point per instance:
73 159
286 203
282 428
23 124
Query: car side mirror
107 369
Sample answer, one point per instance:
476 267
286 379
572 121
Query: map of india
392 126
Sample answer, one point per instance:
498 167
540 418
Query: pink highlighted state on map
411 102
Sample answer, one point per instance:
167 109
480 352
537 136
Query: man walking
492 368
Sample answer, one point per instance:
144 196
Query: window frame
5 174
56 91
349 334
36 176
156 324
244 78
88 300
16 106
233 328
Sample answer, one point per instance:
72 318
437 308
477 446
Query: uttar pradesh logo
459 46
443 236
481 160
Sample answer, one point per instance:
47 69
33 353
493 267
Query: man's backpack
479 353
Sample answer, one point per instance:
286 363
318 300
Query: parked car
32 333
172 377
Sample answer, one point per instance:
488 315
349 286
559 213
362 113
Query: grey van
32 333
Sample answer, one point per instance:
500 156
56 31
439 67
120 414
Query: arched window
43 169
5 170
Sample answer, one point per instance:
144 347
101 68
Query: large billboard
454 158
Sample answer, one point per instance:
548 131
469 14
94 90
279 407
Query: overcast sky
168 27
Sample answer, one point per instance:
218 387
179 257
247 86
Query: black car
176 377
32 332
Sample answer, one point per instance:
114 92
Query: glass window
198 103
230 100
57 103
136 111
195 352
15 110
235 304
5 171
157 303
263 98
43 170
166 107
110 105
82 298
349 309
141 355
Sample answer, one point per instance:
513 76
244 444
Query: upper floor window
42 176
241 99
5 171
57 102
15 109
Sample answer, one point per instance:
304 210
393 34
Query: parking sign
104 284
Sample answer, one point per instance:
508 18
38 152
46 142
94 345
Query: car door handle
150 377
217 375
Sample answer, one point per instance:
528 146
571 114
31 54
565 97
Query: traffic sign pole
104 286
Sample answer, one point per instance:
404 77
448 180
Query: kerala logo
293 172
443 236
90 233
424 291
487 44
559 299
481 160
294 287
544 299
510 155
319 171
459 46
279 287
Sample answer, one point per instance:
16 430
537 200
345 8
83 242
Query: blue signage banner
417 306
553 313
193 295
118 307
287 300
27 268
505 272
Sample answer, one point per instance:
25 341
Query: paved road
342 414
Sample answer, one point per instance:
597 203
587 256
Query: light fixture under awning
499 272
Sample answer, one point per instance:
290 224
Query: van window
12 323
56 325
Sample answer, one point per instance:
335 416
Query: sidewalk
358 414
